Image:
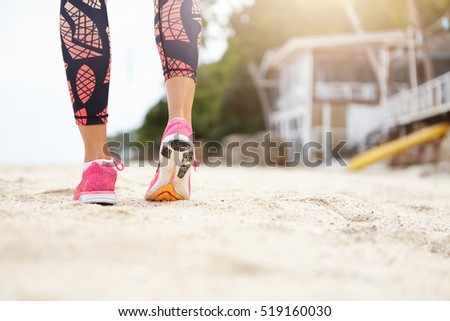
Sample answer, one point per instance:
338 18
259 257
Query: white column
326 127
307 119
412 57
384 73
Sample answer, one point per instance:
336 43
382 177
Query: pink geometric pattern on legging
75 51
156 6
172 25
162 54
85 83
158 35
178 68
83 42
96 4
178 25
197 16
86 31
71 92
81 117
108 73
103 115
87 57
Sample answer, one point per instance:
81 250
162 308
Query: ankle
96 156
186 119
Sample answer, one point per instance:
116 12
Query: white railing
427 100
346 91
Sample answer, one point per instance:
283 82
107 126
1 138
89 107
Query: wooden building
348 84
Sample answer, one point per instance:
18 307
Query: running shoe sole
177 158
101 198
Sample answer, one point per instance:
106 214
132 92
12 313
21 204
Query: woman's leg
95 142
180 97
87 56
178 28
86 51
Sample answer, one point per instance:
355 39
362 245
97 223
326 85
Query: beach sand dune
247 234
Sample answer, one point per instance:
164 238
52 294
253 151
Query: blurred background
370 71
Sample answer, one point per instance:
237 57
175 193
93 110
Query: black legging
87 52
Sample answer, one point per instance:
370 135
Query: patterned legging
87 53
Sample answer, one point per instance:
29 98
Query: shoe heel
177 157
183 156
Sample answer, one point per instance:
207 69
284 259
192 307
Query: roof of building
388 38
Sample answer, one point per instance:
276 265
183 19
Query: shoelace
118 163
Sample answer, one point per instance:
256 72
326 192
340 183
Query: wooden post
357 26
428 62
326 128
412 59
310 88
384 74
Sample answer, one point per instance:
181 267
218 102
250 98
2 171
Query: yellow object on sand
397 146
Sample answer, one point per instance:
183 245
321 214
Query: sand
247 234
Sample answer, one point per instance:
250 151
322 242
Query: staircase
427 100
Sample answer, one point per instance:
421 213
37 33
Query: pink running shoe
172 179
98 183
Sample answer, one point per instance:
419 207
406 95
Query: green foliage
213 83
154 123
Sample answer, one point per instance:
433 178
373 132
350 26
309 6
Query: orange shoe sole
165 194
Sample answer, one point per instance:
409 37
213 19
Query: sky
36 113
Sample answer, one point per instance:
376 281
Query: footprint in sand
63 191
